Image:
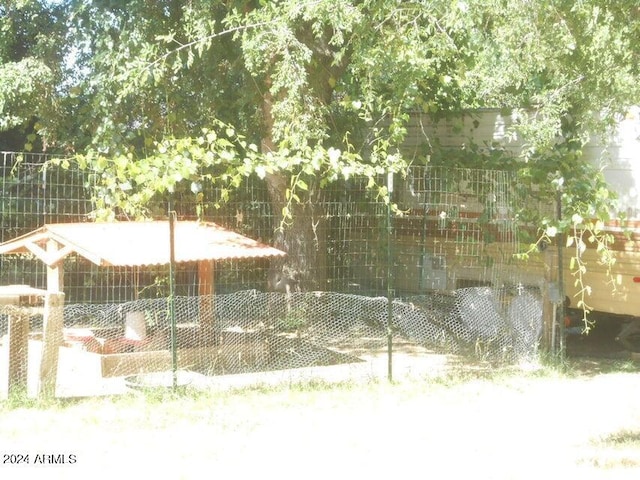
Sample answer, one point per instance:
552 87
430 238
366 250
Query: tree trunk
303 238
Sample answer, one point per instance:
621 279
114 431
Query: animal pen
439 279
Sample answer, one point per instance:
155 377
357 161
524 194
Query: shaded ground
600 343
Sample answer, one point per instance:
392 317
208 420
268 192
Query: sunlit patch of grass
456 374
617 450
20 399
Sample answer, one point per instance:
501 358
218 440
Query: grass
454 376
617 450
471 421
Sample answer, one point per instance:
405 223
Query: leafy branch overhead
165 95
220 156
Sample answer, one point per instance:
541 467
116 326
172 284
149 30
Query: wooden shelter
129 244
136 244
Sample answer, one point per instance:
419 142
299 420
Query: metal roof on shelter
138 243
20 291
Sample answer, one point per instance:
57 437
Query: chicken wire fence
446 264
310 328
251 331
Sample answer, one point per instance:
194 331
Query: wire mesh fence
447 262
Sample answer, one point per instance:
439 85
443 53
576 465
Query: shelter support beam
51 341
206 291
55 272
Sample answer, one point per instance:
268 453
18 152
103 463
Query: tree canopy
167 94
32 52
303 75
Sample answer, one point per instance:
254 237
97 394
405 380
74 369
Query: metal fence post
560 306
172 294
389 281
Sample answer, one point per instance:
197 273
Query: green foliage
288 75
129 184
22 85
296 321
569 63
31 65
305 79
164 95
20 399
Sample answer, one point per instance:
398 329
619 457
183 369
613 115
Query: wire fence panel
251 331
456 286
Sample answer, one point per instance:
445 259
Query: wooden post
51 342
18 352
206 306
55 272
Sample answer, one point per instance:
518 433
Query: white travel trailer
619 158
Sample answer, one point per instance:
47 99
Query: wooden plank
122 364
55 273
205 277
206 291
52 339
18 245
18 352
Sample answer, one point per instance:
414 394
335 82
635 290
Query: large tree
178 92
321 88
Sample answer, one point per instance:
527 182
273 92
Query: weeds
20 398
618 450
455 375
623 437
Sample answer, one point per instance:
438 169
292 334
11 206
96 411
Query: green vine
587 203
